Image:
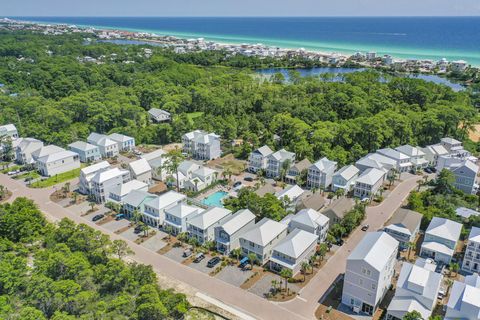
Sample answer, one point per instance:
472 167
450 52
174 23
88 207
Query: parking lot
202 265
176 254
115 225
129 234
155 243
264 285
234 275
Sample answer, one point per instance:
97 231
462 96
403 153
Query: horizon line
247 16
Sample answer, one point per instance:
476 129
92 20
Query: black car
428 170
339 242
137 229
433 169
199 257
236 184
98 217
249 179
212 262
365 227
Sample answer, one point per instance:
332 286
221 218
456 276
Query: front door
368 309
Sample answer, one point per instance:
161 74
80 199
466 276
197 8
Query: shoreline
327 49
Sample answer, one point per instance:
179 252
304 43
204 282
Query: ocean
433 38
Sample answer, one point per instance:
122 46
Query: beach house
202 145
296 170
471 259
140 170
464 301
416 155
202 227
441 239
86 151
57 163
404 226
125 143
369 272
311 221
369 183
24 150
345 178
154 212
9 130
87 174
118 193
320 174
107 147
157 160
177 216
258 159
276 161
227 235
402 161
159 115
105 180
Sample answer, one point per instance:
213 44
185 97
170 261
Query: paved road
306 302
302 307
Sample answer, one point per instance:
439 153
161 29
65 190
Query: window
374 286
369 272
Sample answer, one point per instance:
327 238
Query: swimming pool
215 199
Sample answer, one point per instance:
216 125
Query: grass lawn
12 168
59 178
31 174
192 115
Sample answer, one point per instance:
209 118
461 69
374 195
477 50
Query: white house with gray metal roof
227 235
433 152
201 178
202 227
369 183
320 174
311 221
258 159
403 163
345 178
58 162
135 200
417 289
416 155
154 212
157 159
140 170
24 150
108 148
87 174
464 301
9 130
202 145
87 152
471 259
177 216
159 115
404 226
125 143
118 193
441 239
262 238
369 272
276 160
298 246
105 180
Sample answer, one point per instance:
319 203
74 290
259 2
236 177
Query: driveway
176 254
234 275
115 225
155 243
129 235
202 265
264 285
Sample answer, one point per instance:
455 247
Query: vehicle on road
237 183
187 253
199 257
212 262
365 227
119 216
249 179
98 217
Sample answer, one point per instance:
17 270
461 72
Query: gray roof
340 207
136 197
237 221
311 201
407 219
310 217
140 166
264 151
418 280
324 164
466 212
295 243
410 151
81 145
464 293
182 210
264 232
347 172
282 155
302 165
119 137
444 228
157 112
371 176
127 187
209 217
375 249
46 150
165 200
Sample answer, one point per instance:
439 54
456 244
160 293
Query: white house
417 290
156 159
403 163
311 221
452 145
441 239
45 151
24 150
404 226
108 148
466 212
297 247
141 171
105 180
135 201
87 174
176 217
296 170
202 145
416 155
276 160
345 178
118 193
368 183
433 152
202 227
154 211
58 162
465 173
464 301
471 259
159 115
87 152
290 195
9 130
125 143
258 159
387 163
201 178
320 174
262 238
227 235
369 272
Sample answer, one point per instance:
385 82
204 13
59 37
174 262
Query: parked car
137 229
237 183
428 170
187 253
137 153
98 217
365 227
212 262
339 242
433 169
119 216
249 179
199 257
243 262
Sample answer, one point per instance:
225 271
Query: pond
339 72
215 199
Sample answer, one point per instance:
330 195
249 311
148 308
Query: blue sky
239 8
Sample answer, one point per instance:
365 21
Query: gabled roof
158 112
437 149
165 200
310 217
323 164
405 219
100 140
7 128
237 221
127 187
347 172
371 176
186 166
295 243
136 197
206 138
449 140
27 143
340 207
419 280
474 235
467 164
191 135
384 160
57 156
466 212
81 145
313 201
375 249
444 228
302 165
182 210
369 163
264 151
438 247
401 305
119 137
410 151
292 192
139 167
102 176
264 232
464 298
392 153
209 217
282 155
46 150
159 153
95 167
203 172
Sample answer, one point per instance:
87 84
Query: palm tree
284 169
454 267
196 181
448 282
144 228
252 257
227 173
286 274
172 162
392 176
92 205
410 246
419 184
136 216
274 286
237 252
305 266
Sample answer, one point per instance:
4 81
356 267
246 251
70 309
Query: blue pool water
215 199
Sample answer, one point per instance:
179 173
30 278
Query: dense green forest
60 98
73 272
